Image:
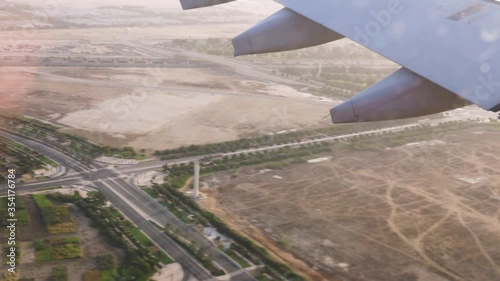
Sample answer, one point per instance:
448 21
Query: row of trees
24 160
177 176
195 251
139 262
222 47
244 246
275 139
77 146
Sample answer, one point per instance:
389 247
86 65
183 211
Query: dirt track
426 211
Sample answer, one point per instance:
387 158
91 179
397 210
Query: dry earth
420 212
121 33
157 108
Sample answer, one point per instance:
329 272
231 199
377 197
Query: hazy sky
255 6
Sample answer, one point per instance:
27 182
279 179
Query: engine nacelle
193 4
285 30
404 94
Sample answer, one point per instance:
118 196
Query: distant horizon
251 6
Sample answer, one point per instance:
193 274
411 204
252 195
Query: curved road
139 207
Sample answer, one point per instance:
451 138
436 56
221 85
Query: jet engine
403 94
285 30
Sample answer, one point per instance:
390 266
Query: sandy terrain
231 118
122 33
149 113
149 178
46 171
169 5
172 272
426 211
24 92
70 190
151 108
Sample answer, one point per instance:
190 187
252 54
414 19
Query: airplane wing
193 4
449 50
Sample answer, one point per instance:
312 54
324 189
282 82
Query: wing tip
188 4
194 4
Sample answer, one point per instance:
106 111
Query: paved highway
139 207
126 171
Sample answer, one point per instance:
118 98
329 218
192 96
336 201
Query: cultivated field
423 211
42 248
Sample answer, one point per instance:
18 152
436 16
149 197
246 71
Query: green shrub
59 273
105 262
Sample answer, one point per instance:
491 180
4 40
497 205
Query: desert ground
122 33
423 211
152 108
203 99
420 212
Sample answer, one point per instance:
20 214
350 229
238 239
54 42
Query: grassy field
59 273
164 258
137 234
114 213
3 203
152 192
57 249
177 212
21 213
107 275
100 275
237 258
22 216
57 218
41 200
43 251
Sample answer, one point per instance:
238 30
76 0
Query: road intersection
117 183
136 205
